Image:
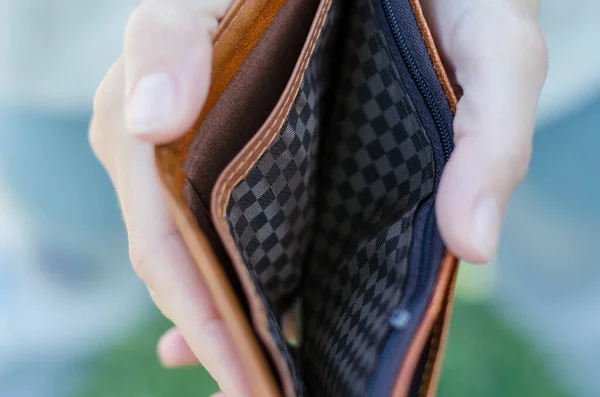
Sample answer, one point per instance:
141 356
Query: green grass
131 369
485 358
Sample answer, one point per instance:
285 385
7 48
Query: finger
500 62
108 105
174 351
158 303
156 249
162 261
168 50
219 394
98 144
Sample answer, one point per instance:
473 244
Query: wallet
305 195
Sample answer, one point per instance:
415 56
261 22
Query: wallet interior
314 178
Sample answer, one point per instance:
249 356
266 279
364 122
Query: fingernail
152 104
486 227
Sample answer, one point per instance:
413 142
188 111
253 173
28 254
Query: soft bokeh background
75 321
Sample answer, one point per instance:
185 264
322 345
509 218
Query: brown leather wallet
305 195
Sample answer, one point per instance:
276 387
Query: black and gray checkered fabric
326 213
377 167
271 212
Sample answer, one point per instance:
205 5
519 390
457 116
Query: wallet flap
239 168
238 32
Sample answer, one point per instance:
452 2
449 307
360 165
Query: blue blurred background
75 321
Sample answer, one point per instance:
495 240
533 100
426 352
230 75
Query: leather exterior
238 32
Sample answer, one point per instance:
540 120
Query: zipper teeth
447 146
383 358
424 255
414 71
442 130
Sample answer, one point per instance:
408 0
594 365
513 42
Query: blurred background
75 321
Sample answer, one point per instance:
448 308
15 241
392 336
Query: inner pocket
242 108
247 100
376 167
328 213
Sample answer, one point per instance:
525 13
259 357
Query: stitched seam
433 52
272 131
226 187
193 188
230 22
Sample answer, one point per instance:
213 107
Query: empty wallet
305 195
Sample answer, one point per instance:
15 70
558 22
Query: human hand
153 94
155 90
495 52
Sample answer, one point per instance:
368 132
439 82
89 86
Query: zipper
399 321
422 272
401 316
413 69
383 380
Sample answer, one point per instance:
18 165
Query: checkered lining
271 211
326 213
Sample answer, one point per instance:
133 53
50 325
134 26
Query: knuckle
156 15
160 304
138 18
107 108
100 104
518 157
516 37
525 41
99 119
537 49
139 255
95 138
141 17
106 97
182 16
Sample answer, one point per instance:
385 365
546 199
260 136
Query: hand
153 94
497 55
155 90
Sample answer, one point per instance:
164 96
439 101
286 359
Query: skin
493 50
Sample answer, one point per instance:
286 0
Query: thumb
500 62
168 55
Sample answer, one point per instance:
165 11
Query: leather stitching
236 13
434 54
225 187
271 130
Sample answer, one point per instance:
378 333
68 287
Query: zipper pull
399 318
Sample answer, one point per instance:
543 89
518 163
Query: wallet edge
439 310
239 30
167 159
